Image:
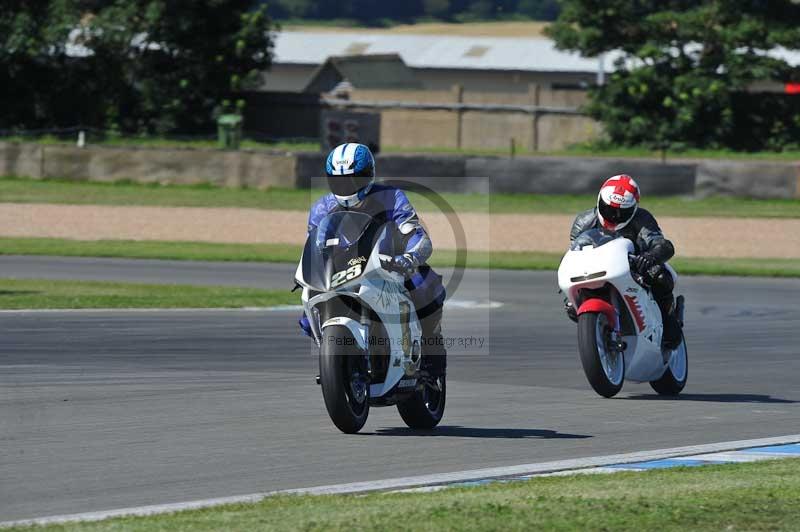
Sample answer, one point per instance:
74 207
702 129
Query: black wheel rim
432 396
356 386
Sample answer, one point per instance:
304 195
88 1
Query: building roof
434 51
382 71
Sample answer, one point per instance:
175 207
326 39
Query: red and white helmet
617 202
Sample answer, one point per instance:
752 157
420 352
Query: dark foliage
688 70
144 66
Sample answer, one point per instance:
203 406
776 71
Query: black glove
644 262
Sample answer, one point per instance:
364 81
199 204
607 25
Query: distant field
615 152
754 496
579 150
159 142
21 190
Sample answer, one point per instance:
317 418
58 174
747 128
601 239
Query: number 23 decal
343 276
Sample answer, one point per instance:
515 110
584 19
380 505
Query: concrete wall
488 130
446 173
748 179
287 115
187 166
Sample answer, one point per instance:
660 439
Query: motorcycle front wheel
604 369
343 377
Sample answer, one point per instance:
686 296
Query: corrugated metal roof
364 72
431 51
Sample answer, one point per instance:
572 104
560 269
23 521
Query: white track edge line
418 481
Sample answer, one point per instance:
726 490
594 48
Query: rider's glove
405 264
306 326
644 262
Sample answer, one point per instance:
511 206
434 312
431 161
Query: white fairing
384 292
593 267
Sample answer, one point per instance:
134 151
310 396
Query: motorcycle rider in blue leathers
350 170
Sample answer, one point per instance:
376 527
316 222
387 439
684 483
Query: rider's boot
672 327
434 353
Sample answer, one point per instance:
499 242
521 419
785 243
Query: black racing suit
646 235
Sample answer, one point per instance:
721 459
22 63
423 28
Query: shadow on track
714 398
472 432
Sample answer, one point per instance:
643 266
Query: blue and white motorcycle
365 325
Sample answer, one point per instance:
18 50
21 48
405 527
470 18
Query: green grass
754 496
23 190
290 254
47 294
582 150
578 150
160 142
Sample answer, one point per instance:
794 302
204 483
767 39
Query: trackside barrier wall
449 173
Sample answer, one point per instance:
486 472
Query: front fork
366 323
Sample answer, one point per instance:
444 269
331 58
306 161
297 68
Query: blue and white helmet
351 173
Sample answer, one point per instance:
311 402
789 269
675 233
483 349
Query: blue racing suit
389 204
386 203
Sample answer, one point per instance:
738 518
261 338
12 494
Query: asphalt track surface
102 410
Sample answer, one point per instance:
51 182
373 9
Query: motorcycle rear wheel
425 409
604 370
343 379
676 374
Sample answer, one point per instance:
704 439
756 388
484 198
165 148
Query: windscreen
342 229
592 237
338 249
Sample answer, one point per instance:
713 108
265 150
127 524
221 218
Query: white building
481 64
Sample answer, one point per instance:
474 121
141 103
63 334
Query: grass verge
23 190
290 254
161 142
754 496
47 294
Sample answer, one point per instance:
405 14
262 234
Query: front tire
343 379
676 374
604 370
425 409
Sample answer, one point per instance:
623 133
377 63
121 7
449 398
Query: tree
684 66
152 66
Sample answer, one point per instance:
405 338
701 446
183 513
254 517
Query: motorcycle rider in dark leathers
350 170
618 212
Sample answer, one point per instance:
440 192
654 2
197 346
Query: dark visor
615 215
347 185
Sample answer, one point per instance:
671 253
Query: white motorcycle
619 323
365 325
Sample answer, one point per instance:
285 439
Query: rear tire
591 325
425 409
670 383
339 359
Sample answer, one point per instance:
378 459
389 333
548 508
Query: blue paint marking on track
662 464
793 448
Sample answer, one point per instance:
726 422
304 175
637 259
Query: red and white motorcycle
619 323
